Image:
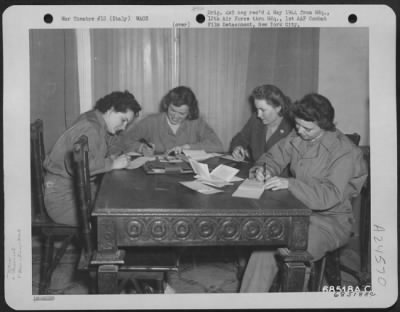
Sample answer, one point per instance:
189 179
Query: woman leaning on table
177 127
110 116
327 171
266 127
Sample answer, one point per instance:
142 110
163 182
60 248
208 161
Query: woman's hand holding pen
240 153
262 174
178 149
146 148
259 173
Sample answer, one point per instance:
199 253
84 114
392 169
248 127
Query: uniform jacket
326 173
252 136
91 124
155 129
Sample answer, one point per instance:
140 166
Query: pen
265 172
144 141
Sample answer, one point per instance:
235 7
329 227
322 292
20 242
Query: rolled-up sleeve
98 162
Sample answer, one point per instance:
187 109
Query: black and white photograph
200 157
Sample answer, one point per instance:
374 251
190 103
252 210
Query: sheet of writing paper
213 182
138 162
200 169
199 154
133 154
200 187
170 159
249 189
224 173
219 177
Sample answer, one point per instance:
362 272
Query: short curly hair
120 101
181 96
273 95
316 108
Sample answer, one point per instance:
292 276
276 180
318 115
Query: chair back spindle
39 213
82 175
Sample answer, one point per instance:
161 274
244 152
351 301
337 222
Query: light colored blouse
155 129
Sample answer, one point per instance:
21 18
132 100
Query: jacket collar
99 116
327 142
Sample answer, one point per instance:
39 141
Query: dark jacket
252 136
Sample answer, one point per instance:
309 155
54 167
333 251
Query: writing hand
120 162
240 153
259 173
276 183
178 149
147 149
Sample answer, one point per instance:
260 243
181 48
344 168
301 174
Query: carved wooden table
136 209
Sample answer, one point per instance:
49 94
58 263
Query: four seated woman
327 170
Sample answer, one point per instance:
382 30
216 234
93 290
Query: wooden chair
49 231
144 270
330 266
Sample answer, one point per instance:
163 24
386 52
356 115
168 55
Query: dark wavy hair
273 95
120 101
316 108
181 96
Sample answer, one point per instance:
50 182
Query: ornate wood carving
106 234
299 233
148 230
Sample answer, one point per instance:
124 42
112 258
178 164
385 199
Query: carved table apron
135 209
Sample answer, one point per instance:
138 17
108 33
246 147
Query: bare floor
201 270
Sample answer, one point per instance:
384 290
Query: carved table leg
294 270
107 279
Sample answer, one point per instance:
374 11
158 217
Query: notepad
249 189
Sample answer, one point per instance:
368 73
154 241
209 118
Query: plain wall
343 77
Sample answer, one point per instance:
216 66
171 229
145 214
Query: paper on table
138 162
133 154
199 154
200 187
222 173
212 182
200 169
249 189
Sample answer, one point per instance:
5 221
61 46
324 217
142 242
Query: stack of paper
200 187
199 154
249 189
219 177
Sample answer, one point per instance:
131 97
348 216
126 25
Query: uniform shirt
91 124
155 129
326 173
252 136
